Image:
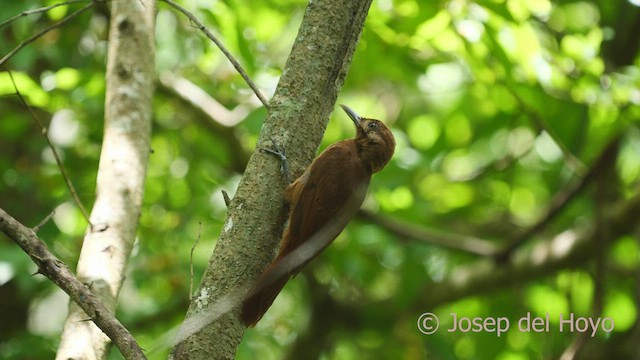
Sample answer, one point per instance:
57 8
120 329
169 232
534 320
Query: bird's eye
372 125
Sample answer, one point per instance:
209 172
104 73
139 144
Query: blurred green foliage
496 106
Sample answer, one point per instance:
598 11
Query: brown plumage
323 200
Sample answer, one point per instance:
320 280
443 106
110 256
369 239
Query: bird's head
376 143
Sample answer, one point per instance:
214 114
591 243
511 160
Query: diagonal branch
59 273
403 229
38 11
203 102
222 48
210 114
567 249
63 172
39 34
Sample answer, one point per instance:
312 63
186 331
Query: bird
322 201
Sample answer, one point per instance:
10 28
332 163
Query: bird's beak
352 114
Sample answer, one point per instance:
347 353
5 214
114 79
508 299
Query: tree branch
222 48
566 249
569 249
44 221
199 99
59 273
63 172
38 11
298 114
404 230
39 34
211 115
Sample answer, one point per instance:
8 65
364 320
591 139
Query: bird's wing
325 201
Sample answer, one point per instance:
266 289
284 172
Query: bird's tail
264 292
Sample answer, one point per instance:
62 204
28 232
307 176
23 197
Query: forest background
517 129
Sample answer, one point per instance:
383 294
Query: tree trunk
120 184
298 115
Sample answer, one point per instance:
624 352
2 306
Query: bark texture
120 184
60 274
298 115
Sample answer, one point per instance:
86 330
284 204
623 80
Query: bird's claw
281 153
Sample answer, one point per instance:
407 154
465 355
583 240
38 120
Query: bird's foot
281 153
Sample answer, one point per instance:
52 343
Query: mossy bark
298 115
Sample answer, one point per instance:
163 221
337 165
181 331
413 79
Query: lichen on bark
298 115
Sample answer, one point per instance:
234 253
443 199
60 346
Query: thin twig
227 199
220 46
193 248
38 10
60 274
43 222
63 172
44 31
